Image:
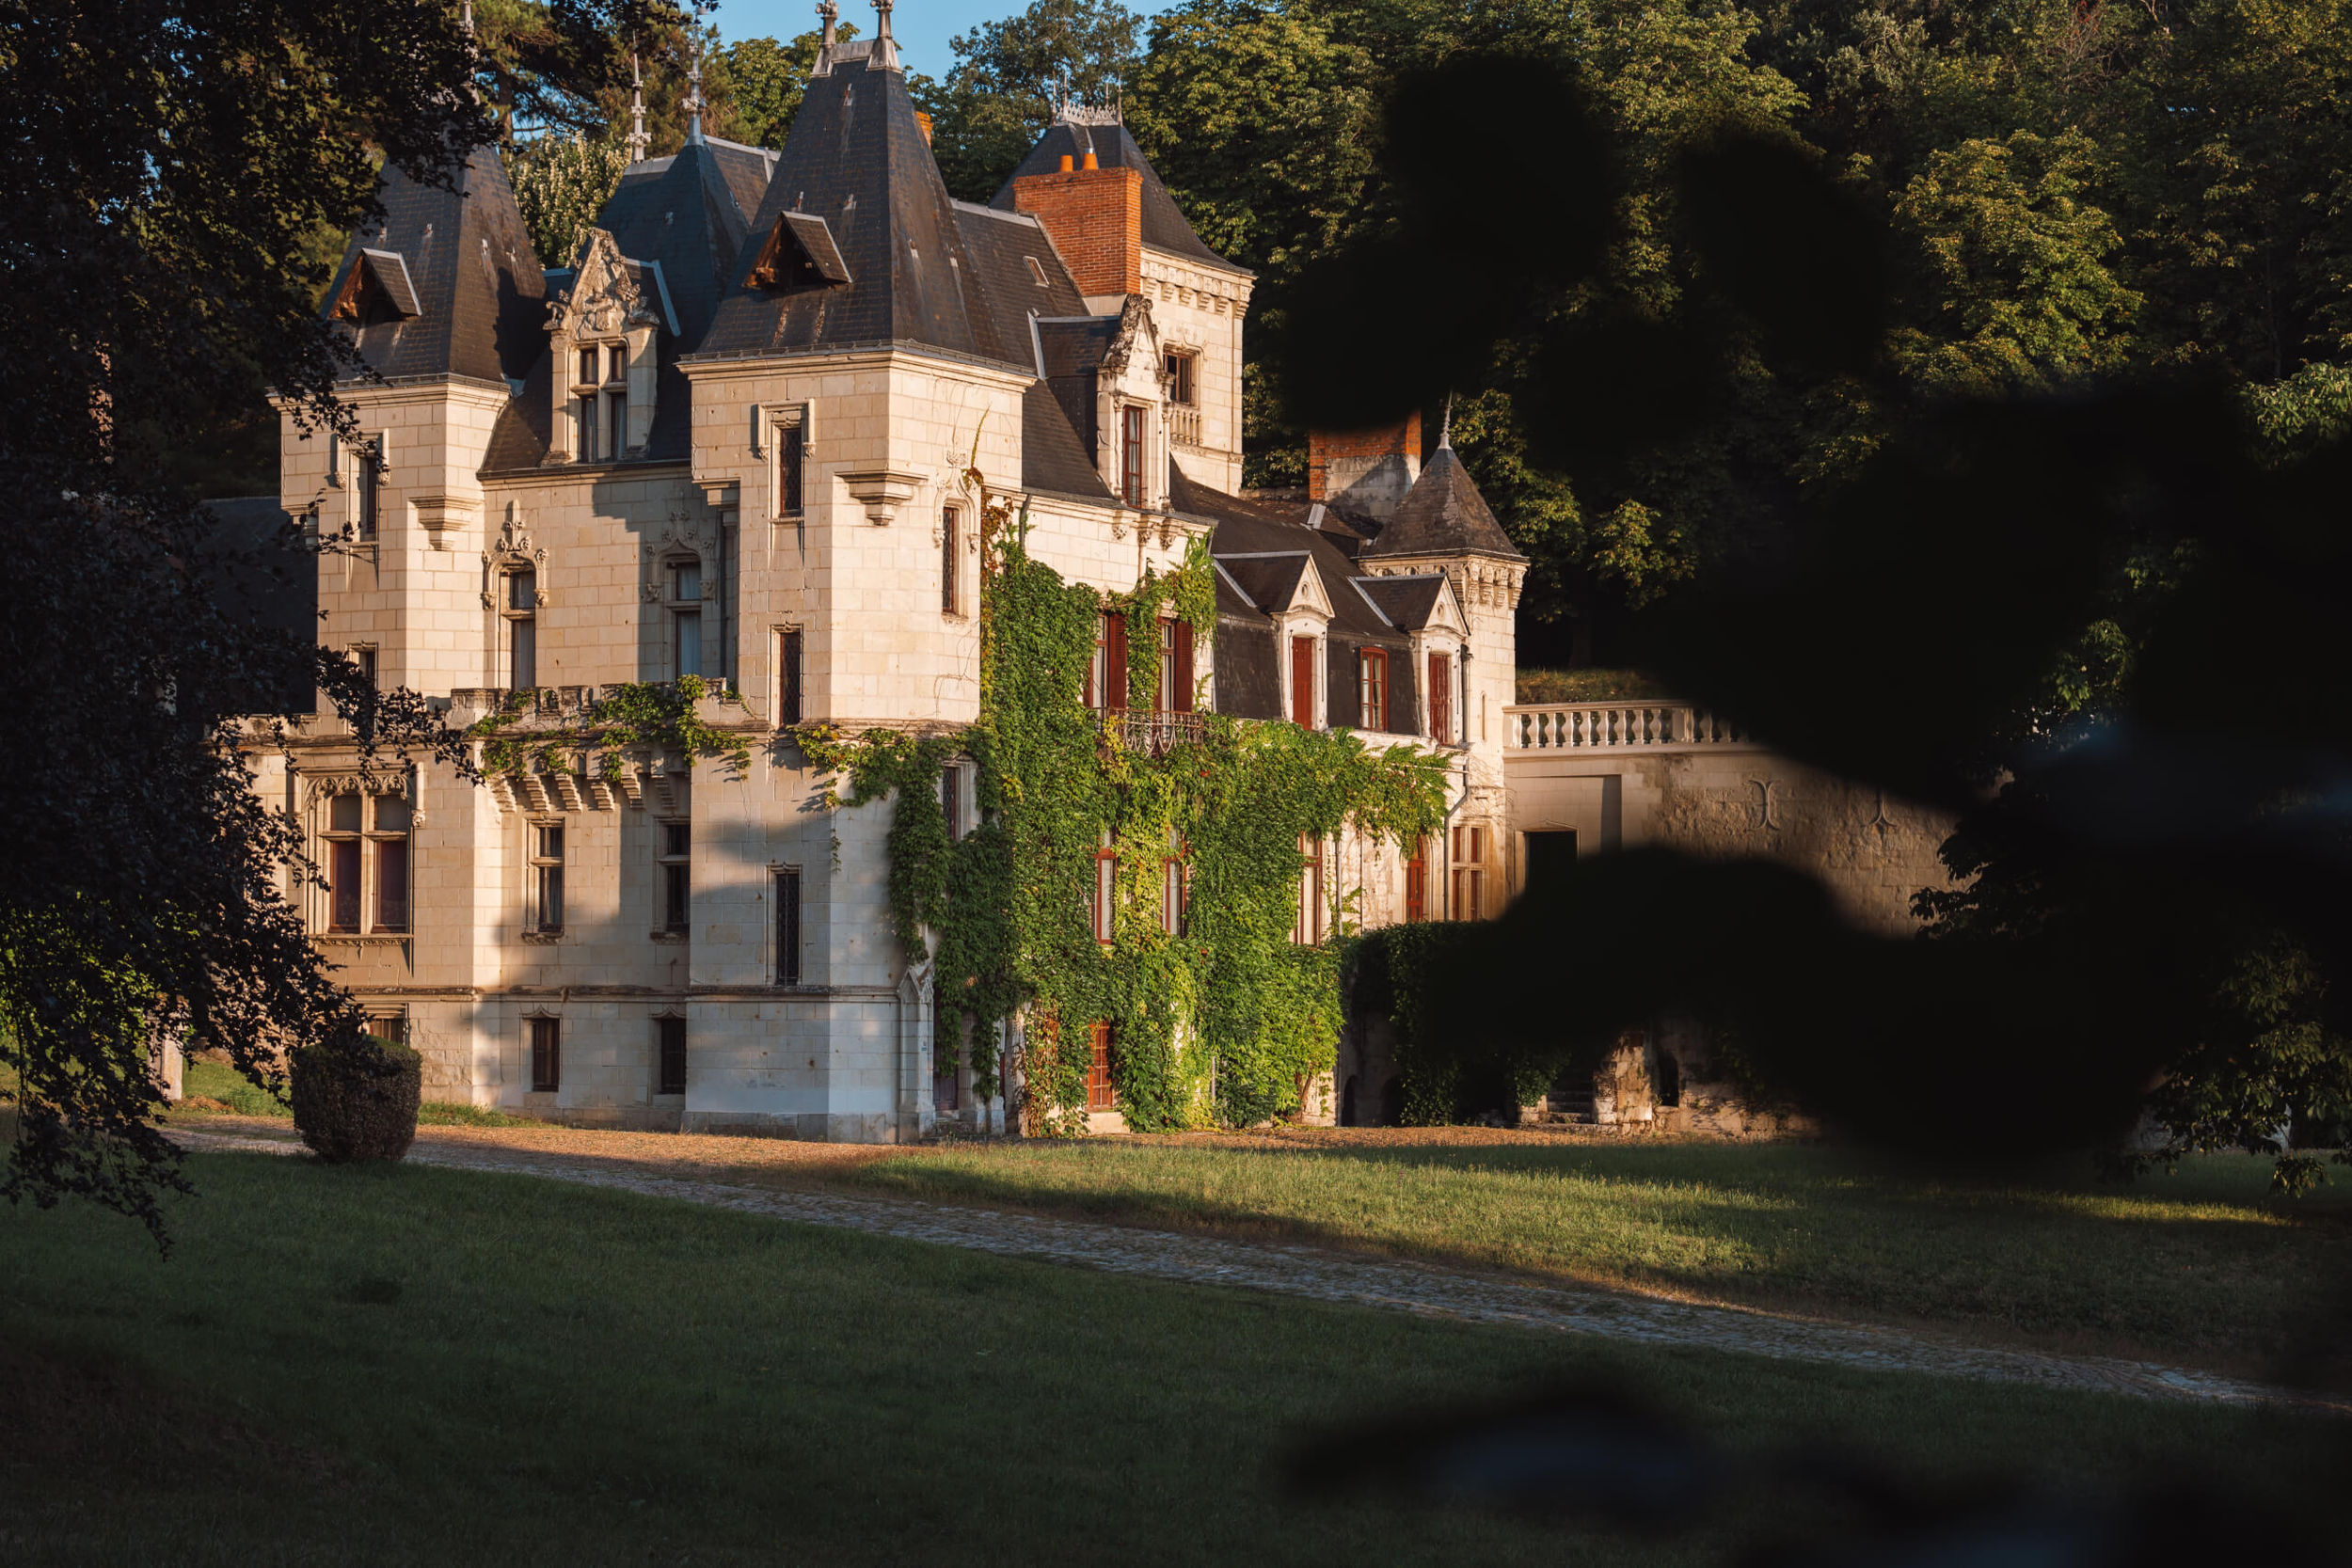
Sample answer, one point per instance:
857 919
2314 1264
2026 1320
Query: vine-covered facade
890 709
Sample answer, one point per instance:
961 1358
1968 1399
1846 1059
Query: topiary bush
355 1098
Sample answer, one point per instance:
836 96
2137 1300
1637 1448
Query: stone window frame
536 863
668 859
513 553
788 877
322 790
395 1017
775 427
677 608
552 1082
656 1089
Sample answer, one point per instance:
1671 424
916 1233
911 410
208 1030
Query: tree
173 165
1000 96
561 183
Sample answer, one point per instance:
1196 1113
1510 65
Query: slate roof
1442 514
1408 601
1263 546
466 262
856 158
1164 224
1052 459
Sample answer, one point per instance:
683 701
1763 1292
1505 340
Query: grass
1587 686
2205 1265
230 1090
407 1365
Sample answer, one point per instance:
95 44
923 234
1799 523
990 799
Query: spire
827 11
638 141
1445 426
885 50
695 95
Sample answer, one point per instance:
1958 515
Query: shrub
355 1098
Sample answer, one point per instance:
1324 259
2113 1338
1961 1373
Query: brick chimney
1365 471
1095 219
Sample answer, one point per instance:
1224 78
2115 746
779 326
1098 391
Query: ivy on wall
1225 1020
655 716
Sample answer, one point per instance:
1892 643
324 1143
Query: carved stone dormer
1131 399
602 334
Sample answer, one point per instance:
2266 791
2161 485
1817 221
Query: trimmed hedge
355 1098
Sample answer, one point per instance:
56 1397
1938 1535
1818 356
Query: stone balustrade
1184 425
1615 727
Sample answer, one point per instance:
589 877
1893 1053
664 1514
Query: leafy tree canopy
1000 98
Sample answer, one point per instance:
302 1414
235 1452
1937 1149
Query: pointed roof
1076 132
455 288
1443 514
856 158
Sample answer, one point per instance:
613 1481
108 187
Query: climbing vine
651 715
1222 1019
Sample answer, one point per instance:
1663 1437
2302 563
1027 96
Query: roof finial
1445 426
885 52
695 94
638 141
826 13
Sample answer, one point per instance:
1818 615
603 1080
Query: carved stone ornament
678 531
603 298
512 549
318 786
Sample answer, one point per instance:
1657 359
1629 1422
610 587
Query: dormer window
600 402
1131 459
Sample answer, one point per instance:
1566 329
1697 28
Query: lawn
2205 1265
216 1085
411 1365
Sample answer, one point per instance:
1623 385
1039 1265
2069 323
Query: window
1102 1093
951 799
367 862
677 842
369 477
1107 676
1307 928
1417 882
790 445
669 1055
1376 690
1037 272
1102 898
1175 693
1131 454
788 927
1175 887
788 676
1303 682
685 588
1469 873
600 402
948 520
547 1054
1442 699
1180 378
546 876
364 657
521 618
390 1026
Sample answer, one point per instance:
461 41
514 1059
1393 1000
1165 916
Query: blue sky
922 27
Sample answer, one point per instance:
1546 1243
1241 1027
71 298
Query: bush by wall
355 1098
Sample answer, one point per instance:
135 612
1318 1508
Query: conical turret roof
1443 514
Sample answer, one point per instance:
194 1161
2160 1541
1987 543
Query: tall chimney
1364 470
1095 219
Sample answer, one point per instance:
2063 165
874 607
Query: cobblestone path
1359 1281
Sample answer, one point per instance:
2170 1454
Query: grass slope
408 1366
2205 1264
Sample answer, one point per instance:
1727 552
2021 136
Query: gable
797 254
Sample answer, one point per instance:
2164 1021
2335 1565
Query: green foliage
1000 98
1585 685
1227 1019
1402 974
639 714
2017 266
355 1098
561 184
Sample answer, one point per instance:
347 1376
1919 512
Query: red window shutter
1102 1093
1303 682
1183 660
1441 698
1417 885
1114 660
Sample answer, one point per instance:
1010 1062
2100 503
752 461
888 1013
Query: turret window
686 617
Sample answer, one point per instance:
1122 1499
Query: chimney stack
1095 219
1364 470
